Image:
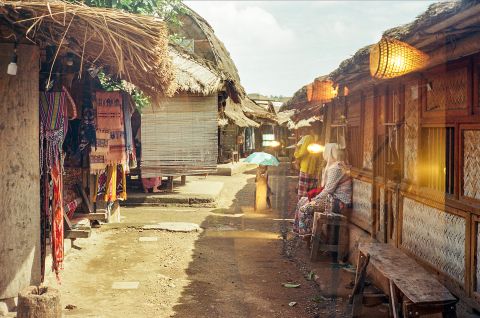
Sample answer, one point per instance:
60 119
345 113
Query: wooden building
47 46
413 144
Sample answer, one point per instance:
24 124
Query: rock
292 303
70 307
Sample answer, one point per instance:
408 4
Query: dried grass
132 47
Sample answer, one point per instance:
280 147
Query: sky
279 46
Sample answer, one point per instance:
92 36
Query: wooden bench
410 285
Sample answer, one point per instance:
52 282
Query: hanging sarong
57 219
53 125
121 186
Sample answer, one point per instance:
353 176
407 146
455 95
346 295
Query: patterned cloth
306 183
57 219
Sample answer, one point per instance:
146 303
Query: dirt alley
233 267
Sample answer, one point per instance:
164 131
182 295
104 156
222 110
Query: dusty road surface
233 267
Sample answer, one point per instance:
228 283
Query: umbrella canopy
263 159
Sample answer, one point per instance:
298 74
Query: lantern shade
323 90
391 58
309 92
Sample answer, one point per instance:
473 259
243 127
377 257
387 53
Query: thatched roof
442 22
235 113
256 111
213 50
132 47
298 99
285 116
193 76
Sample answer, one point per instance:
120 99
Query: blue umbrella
263 159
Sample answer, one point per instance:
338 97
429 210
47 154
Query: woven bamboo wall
368 133
448 91
411 131
180 137
435 236
471 164
362 200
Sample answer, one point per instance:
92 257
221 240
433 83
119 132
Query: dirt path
234 267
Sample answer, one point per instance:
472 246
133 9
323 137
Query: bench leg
357 295
393 304
315 240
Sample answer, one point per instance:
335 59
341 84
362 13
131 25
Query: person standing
309 163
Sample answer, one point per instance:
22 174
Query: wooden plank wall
439 230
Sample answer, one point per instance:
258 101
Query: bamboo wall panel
362 200
368 134
180 137
448 91
435 236
471 164
411 131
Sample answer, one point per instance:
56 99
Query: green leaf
291 285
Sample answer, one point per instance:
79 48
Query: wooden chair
329 234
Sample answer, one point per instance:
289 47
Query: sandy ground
233 267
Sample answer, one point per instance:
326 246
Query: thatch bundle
132 47
191 75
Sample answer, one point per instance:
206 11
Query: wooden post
261 189
183 180
170 184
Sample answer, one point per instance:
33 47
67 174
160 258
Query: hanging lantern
391 58
309 92
323 91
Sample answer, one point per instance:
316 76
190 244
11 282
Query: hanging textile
98 160
110 120
87 128
128 109
57 219
111 184
53 126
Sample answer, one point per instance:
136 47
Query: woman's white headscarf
330 155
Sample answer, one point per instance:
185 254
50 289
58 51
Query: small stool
329 234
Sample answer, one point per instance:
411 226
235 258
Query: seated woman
336 190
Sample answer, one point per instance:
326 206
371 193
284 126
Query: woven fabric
306 183
109 114
53 125
57 219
